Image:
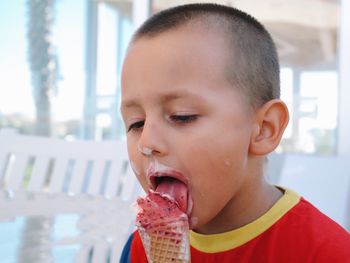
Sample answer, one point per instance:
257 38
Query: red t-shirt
293 230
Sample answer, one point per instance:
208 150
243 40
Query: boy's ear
270 123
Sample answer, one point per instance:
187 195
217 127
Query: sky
69 39
14 76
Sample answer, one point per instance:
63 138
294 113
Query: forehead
181 53
174 61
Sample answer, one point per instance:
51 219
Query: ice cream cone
169 243
164 232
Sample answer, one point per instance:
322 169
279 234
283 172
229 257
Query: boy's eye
183 118
135 126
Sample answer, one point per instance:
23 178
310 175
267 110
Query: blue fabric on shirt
125 257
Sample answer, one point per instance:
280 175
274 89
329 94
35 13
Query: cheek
210 169
216 169
217 155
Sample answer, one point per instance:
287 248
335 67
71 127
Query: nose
152 140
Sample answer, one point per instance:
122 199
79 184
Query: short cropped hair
255 67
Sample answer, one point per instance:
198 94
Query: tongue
176 189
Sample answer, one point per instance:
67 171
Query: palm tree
36 237
42 61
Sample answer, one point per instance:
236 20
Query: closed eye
183 118
136 126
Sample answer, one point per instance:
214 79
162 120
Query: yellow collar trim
225 241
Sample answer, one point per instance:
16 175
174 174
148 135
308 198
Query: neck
247 205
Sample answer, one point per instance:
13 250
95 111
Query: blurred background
60 63
60 66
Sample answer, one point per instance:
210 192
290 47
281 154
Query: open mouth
157 178
175 186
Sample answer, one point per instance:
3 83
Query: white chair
45 177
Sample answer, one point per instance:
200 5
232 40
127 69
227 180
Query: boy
200 95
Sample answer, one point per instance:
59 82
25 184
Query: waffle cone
167 242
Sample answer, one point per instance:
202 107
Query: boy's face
177 102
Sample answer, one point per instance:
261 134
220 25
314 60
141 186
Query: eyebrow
164 98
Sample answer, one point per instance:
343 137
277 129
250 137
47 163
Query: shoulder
316 233
333 240
314 220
